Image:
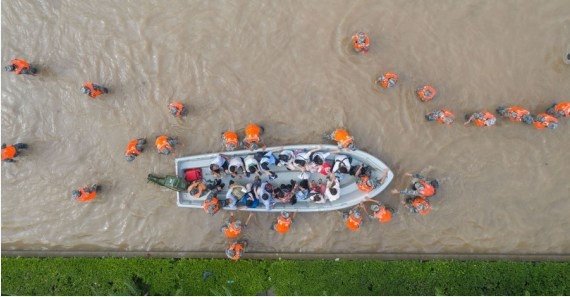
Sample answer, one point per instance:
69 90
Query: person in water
379 211
252 139
544 120
165 144
388 80
93 90
417 205
9 152
443 116
360 42
283 223
177 109
86 193
515 114
230 141
559 110
19 66
421 186
236 250
481 119
352 218
426 93
134 148
343 139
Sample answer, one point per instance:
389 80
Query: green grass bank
140 276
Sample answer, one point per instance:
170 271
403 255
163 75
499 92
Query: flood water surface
289 66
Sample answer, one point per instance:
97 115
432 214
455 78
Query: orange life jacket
383 215
342 137
20 65
564 107
385 79
486 116
132 148
179 108
232 231
428 189
360 46
426 93
283 224
231 139
252 132
238 248
543 120
9 152
94 93
519 111
447 117
364 184
84 197
421 205
214 201
162 142
353 223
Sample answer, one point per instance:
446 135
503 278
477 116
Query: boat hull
350 194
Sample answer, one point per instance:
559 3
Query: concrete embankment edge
292 256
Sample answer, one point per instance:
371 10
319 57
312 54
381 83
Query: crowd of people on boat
262 193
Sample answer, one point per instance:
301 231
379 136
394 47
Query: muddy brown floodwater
288 66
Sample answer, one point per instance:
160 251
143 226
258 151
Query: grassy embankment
138 276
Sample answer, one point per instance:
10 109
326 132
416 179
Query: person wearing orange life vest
481 119
443 116
283 223
342 138
559 110
86 193
252 139
177 109
134 148
365 182
417 205
165 144
230 140
421 186
20 66
360 42
232 227
515 114
93 90
544 120
236 250
388 80
426 93
352 218
212 205
379 211
196 188
9 152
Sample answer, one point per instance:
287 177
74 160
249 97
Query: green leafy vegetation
149 276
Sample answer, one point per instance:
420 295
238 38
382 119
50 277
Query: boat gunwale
359 155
